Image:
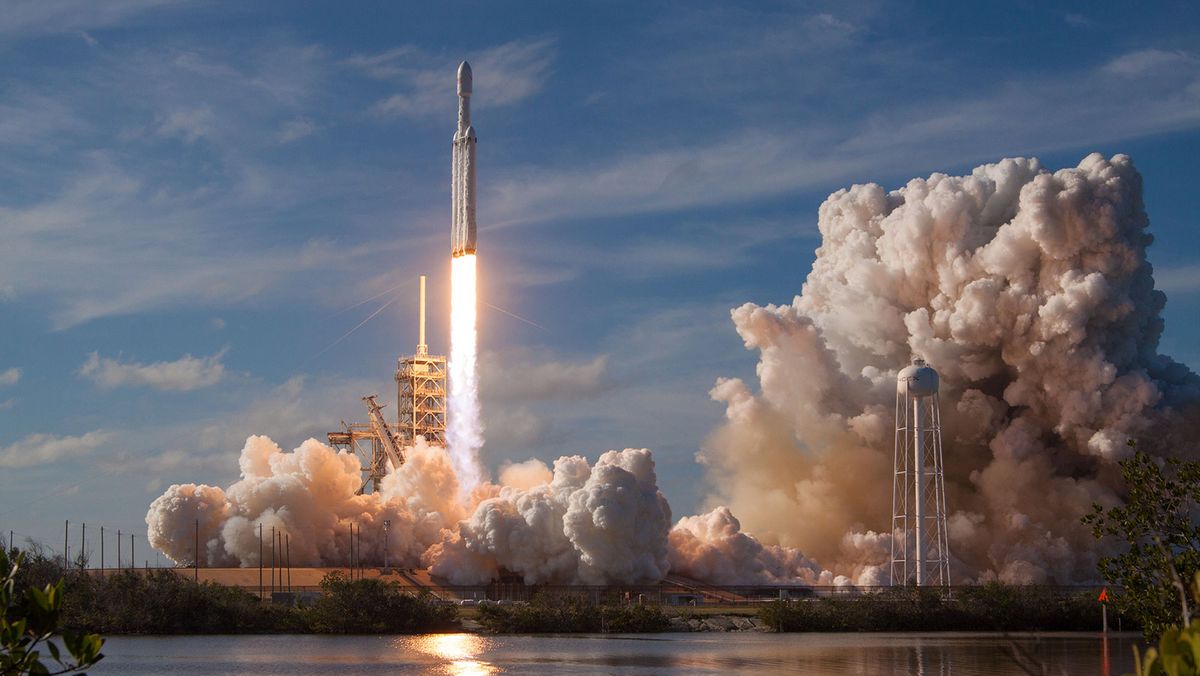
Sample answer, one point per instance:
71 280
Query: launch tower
920 554
421 391
421 406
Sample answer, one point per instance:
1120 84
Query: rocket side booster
462 225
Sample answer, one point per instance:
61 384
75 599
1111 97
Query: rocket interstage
462 223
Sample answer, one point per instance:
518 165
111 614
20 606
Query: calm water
859 654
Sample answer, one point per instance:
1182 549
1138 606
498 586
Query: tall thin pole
352 551
83 546
288 549
102 550
66 556
260 561
118 549
132 554
272 559
196 562
387 523
422 348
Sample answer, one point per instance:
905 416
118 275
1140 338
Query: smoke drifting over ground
1030 293
592 524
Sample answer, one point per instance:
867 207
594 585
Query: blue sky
199 199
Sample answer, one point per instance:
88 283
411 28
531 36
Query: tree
28 623
1158 523
1178 650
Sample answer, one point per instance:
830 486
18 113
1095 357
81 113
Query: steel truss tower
920 551
421 392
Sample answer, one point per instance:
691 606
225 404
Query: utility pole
260 561
101 550
83 546
118 549
196 558
132 555
66 556
288 550
272 559
387 523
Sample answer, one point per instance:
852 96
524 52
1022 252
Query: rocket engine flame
464 427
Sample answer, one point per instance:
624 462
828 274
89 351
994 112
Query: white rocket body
462 225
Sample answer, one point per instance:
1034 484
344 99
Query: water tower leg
919 486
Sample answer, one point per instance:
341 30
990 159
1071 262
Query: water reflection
459 652
941 654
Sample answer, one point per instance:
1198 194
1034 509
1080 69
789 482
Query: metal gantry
421 393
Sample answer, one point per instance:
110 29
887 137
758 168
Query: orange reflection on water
459 650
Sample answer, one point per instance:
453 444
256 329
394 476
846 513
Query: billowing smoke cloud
309 494
579 523
1031 294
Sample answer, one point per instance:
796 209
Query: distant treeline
564 614
160 601
991 607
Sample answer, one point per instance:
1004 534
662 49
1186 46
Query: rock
680 624
743 623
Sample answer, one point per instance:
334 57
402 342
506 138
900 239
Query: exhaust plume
1030 293
464 426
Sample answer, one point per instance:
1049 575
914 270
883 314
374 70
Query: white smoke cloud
1030 292
577 524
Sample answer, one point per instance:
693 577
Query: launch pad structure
421 412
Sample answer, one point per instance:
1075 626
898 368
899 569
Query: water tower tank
918 379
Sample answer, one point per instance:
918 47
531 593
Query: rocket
462 225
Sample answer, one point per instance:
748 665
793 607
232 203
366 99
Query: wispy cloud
1178 279
33 120
515 71
188 124
38 449
528 379
10 376
295 129
1051 113
36 17
1145 61
181 375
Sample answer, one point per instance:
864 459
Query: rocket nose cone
464 78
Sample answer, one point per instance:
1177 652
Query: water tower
919 545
